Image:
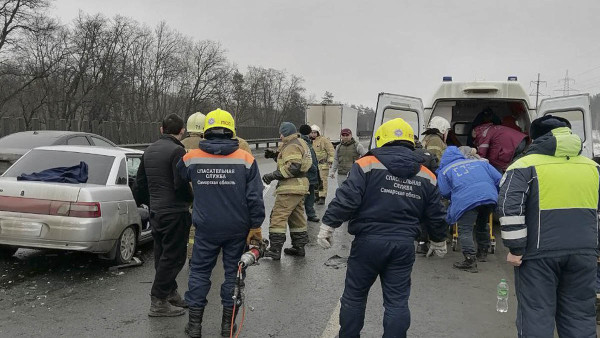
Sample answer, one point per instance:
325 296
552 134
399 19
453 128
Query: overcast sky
356 49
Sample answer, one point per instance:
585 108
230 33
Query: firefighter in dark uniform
548 208
227 214
387 194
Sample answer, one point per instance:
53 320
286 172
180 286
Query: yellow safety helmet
394 130
219 119
195 123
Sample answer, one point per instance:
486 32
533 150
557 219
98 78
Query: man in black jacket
169 197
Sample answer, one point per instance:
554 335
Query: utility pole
537 90
567 85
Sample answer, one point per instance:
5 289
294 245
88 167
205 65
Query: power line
567 85
537 89
593 79
587 71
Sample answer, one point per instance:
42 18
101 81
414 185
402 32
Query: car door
576 109
391 106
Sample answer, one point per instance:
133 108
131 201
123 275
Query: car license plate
19 227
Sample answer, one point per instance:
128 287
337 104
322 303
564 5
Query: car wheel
126 246
7 251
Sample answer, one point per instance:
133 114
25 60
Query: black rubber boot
422 248
226 320
194 325
299 241
175 299
482 255
162 308
295 251
274 250
314 219
469 264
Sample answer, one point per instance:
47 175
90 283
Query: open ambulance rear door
576 109
391 106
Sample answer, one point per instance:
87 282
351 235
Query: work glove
270 153
325 236
268 178
437 248
254 235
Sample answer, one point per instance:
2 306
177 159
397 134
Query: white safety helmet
316 128
439 123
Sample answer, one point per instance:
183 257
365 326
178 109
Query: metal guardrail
256 142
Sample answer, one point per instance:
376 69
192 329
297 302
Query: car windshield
37 160
26 140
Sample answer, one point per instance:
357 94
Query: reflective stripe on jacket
293 161
387 195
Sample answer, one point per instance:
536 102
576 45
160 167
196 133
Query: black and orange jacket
228 198
387 195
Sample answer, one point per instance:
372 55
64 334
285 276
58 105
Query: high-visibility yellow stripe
557 182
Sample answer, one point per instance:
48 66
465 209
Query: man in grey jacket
346 153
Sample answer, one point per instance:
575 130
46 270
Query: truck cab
460 102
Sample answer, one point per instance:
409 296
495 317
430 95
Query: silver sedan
98 216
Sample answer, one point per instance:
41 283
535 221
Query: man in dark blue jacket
471 185
548 209
228 213
314 180
387 194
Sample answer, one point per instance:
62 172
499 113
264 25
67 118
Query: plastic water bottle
502 304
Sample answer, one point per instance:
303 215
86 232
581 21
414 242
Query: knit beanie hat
545 125
286 129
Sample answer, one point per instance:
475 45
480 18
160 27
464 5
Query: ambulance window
576 119
409 116
462 128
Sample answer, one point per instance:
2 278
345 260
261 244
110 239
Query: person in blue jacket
227 214
386 196
471 185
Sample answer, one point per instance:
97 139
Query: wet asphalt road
51 294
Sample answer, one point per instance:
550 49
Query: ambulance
460 102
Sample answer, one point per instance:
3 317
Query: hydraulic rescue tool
255 252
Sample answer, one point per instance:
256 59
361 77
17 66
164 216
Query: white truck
332 118
460 102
